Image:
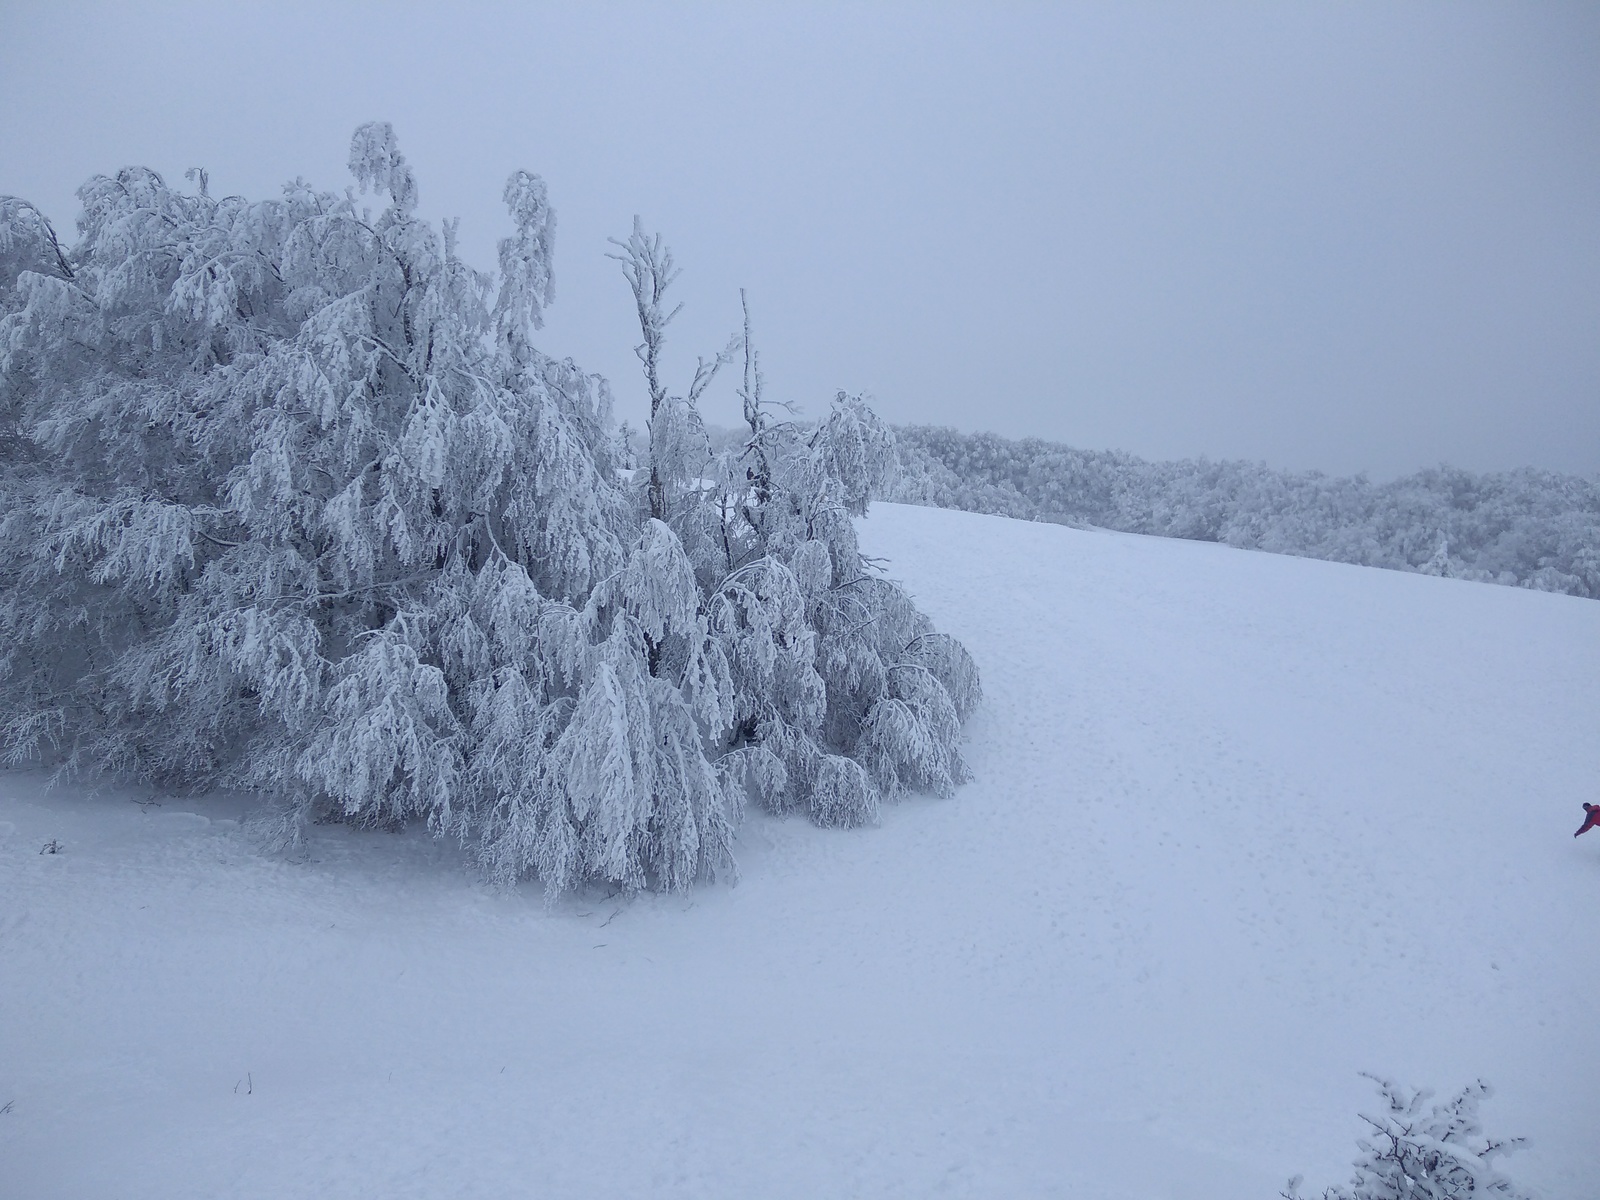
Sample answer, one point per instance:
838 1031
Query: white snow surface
1243 825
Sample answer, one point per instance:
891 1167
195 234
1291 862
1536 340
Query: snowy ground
1243 826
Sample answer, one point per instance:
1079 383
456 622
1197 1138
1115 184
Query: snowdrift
1242 826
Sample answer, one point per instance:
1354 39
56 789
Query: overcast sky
1351 237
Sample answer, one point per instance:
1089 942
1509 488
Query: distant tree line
1528 528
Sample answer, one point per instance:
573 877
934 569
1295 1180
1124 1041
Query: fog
1353 237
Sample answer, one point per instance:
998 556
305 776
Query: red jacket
1590 821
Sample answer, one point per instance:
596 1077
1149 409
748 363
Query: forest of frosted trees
291 502
1529 528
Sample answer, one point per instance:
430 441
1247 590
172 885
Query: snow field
1243 825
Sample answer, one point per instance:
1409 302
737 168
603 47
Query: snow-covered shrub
1421 1152
290 501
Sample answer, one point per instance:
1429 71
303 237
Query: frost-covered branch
1423 1152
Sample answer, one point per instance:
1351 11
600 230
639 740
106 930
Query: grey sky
1338 236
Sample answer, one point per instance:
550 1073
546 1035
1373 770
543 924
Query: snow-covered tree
839 690
1422 1152
292 502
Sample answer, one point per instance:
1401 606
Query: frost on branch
291 502
527 282
1418 1151
378 165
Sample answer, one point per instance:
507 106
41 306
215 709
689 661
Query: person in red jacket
1590 821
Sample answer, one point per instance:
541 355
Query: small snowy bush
1418 1153
290 501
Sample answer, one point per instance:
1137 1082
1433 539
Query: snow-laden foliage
838 690
291 502
1527 528
1422 1152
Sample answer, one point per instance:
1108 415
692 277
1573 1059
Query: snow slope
1243 825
